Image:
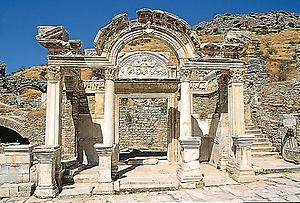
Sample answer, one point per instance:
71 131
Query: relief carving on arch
143 65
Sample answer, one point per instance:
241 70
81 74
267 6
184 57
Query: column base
104 188
223 164
241 170
188 172
243 176
108 167
45 192
190 179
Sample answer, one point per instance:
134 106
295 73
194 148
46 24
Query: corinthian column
53 109
240 164
188 172
185 105
109 107
107 150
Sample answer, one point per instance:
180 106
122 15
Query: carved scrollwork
54 73
185 75
236 75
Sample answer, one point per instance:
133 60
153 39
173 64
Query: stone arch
157 24
40 88
15 126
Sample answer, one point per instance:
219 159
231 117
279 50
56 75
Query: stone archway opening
143 127
8 135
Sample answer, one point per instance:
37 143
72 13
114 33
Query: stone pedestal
242 169
48 157
107 168
188 172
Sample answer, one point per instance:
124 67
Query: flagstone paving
271 187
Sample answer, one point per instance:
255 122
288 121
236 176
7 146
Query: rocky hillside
38 72
274 36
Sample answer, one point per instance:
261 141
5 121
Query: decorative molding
110 73
54 73
185 75
236 75
198 85
148 21
143 65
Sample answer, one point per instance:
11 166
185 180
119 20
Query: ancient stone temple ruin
183 98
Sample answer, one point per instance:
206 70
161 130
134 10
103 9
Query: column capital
110 73
236 75
54 73
185 75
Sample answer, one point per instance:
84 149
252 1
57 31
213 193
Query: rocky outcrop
258 22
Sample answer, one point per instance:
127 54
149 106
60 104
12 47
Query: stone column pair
188 171
240 165
49 155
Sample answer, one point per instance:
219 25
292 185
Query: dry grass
7 109
150 44
278 49
33 72
31 93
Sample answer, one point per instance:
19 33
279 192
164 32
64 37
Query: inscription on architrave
153 65
91 85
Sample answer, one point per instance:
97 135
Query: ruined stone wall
70 105
275 100
29 114
269 101
143 123
205 105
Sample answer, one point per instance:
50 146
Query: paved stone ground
270 187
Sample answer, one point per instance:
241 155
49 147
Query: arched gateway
131 77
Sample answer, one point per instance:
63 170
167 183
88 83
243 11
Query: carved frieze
143 65
147 20
222 50
56 40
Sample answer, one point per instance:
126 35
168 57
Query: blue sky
83 18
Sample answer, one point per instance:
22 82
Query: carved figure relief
143 65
